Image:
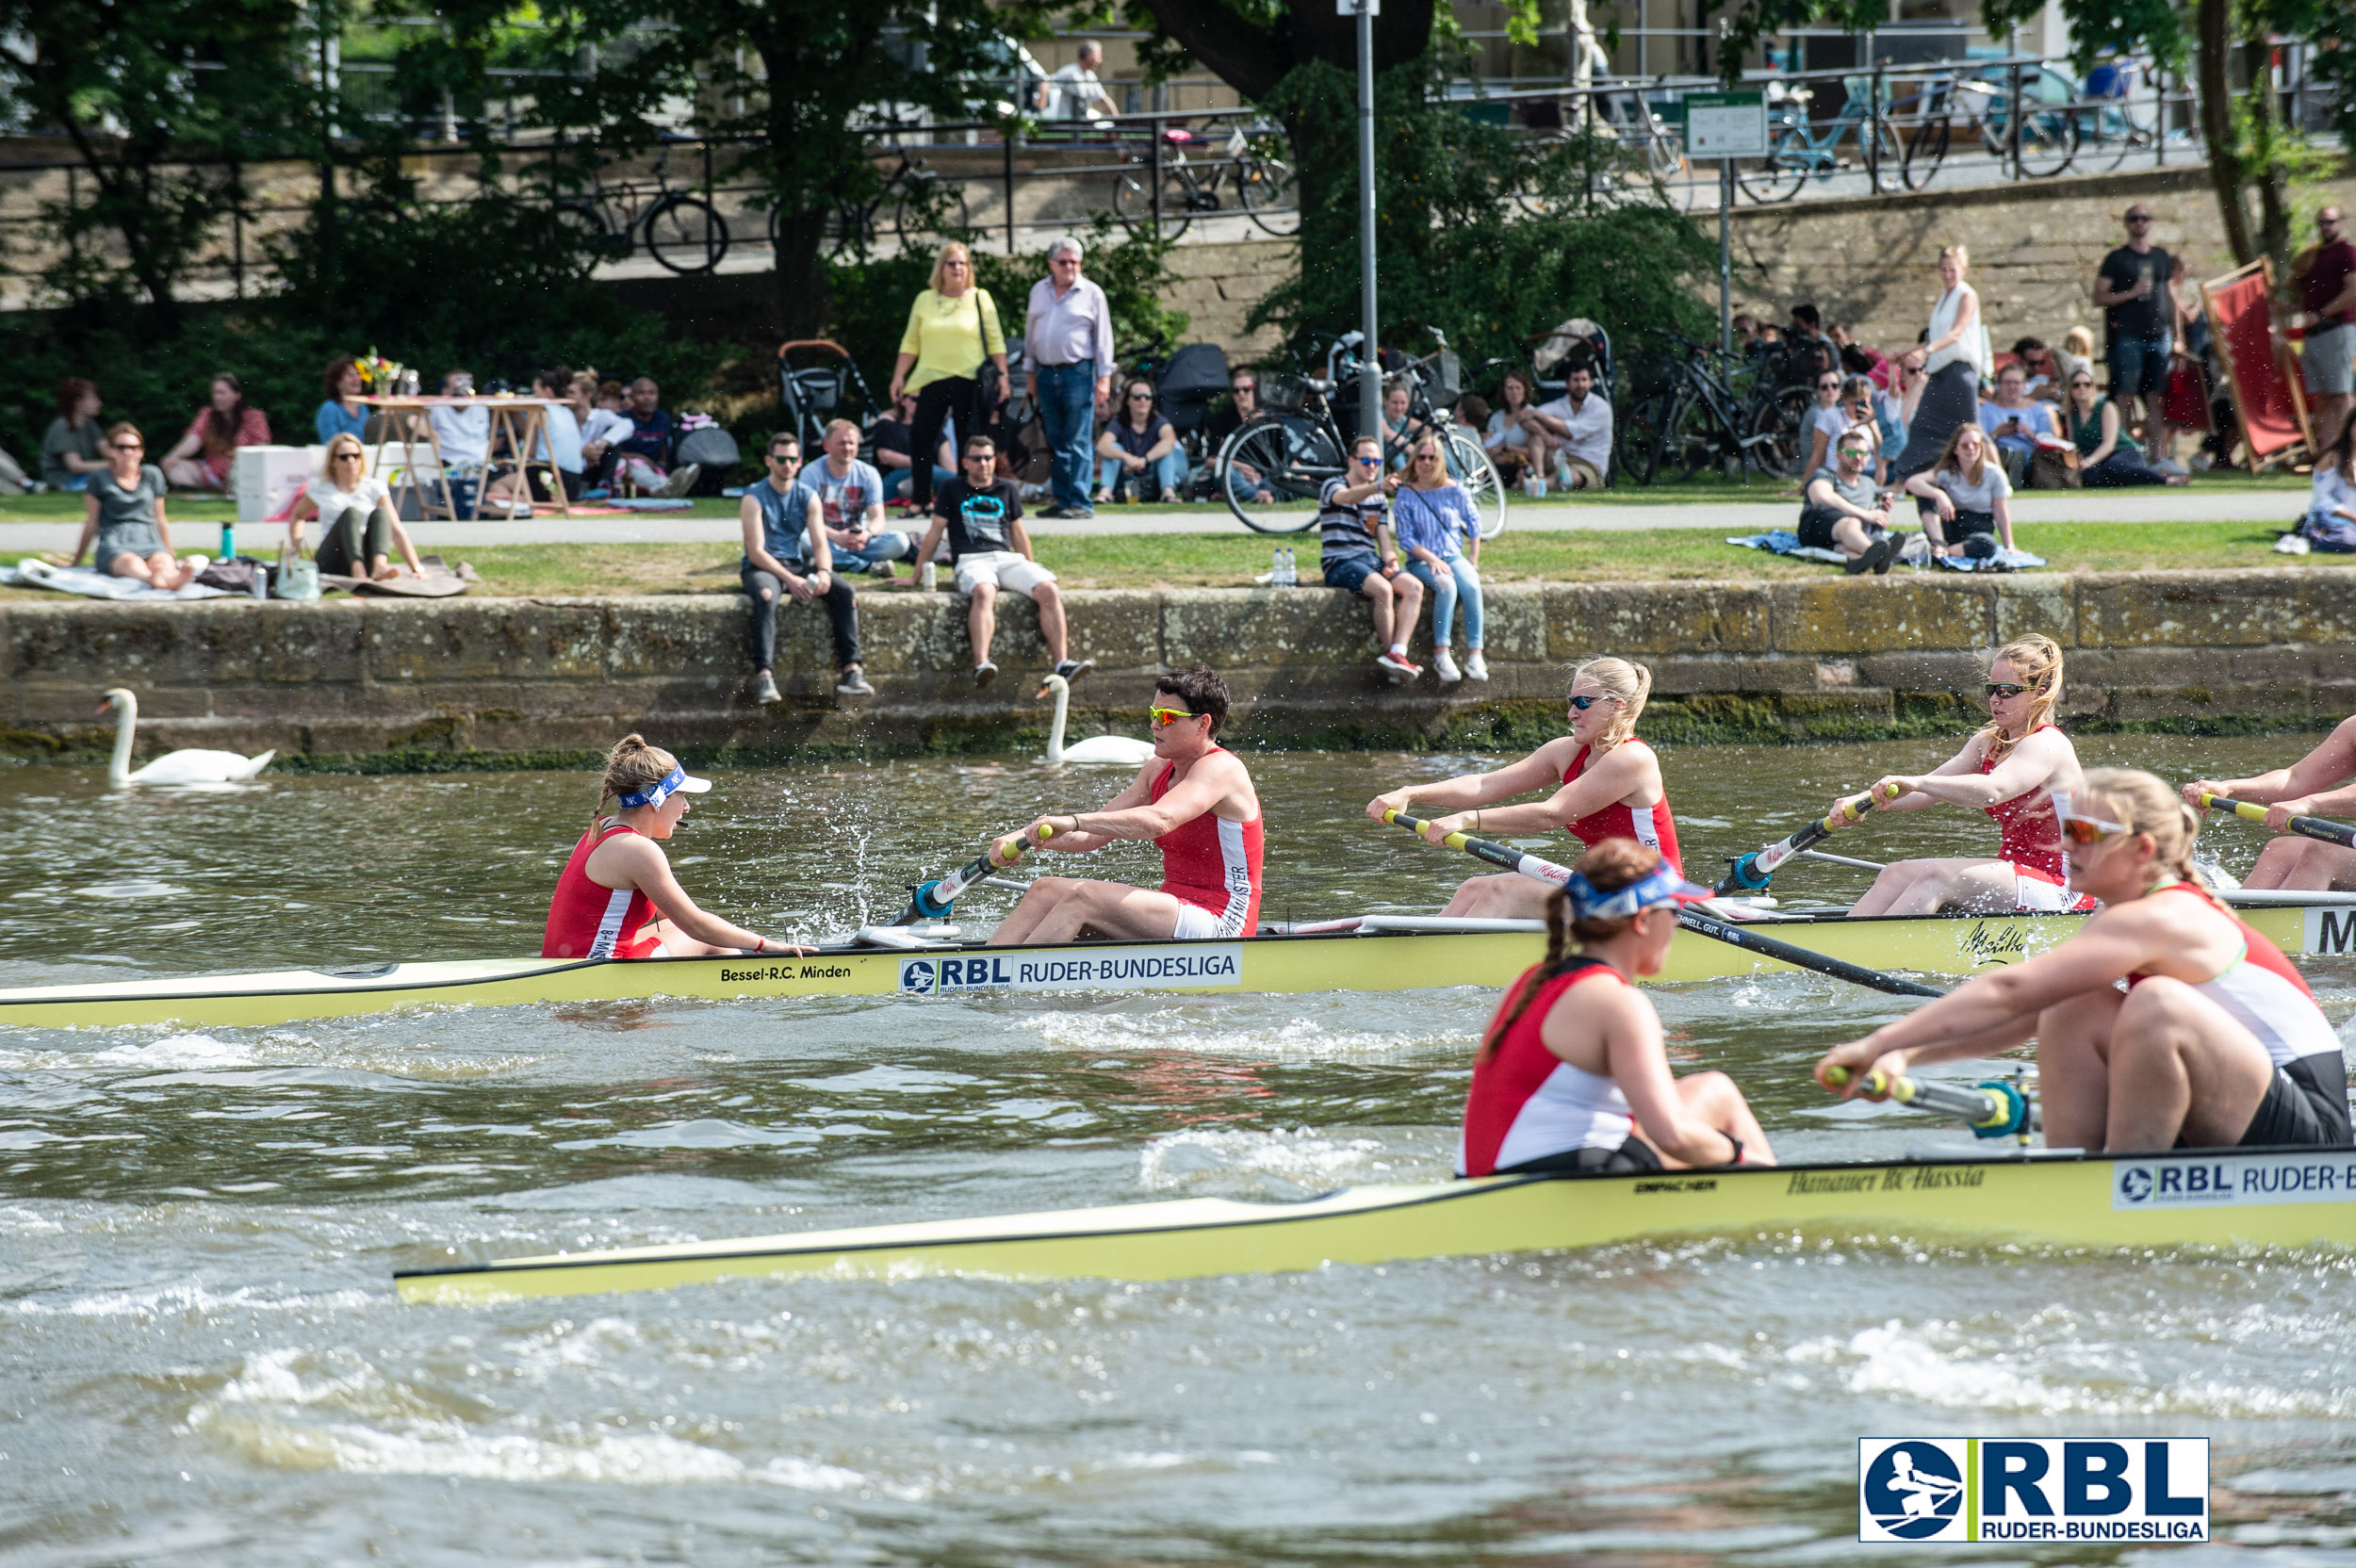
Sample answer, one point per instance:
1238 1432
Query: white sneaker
1445 664
681 482
1476 667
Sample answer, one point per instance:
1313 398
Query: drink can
928 576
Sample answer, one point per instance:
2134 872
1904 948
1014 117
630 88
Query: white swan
173 767
1118 749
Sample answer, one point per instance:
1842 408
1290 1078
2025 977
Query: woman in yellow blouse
953 327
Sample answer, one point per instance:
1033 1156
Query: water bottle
1276 567
229 540
1292 572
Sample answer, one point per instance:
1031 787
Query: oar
2306 827
932 900
1831 860
1749 873
1993 1109
1717 930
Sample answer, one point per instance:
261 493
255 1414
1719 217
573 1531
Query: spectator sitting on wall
1842 512
1964 501
75 449
1435 525
2108 457
851 503
1357 557
1073 93
1137 456
343 412
982 517
1581 425
786 552
199 460
645 453
2324 276
1517 440
123 524
2014 421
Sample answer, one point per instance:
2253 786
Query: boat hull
1385 961
2296 1197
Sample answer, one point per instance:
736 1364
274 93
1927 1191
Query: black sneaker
1874 559
1897 543
1073 669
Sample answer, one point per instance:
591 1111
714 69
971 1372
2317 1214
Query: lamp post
1370 364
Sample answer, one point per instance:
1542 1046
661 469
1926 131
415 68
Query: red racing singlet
1527 1102
1212 864
2029 835
1648 825
587 920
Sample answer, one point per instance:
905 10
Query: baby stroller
1577 341
813 391
1187 384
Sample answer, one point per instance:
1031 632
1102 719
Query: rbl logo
917 977
2063 1489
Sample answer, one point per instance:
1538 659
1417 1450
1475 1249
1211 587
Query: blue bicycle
1799 151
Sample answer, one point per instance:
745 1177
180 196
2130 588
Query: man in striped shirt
1358 556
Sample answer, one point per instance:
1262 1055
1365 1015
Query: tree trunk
805 292
2214 24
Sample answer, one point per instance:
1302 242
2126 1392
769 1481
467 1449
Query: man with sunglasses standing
2137 289
2326 278
1194 802
786 552
1357 555
989 550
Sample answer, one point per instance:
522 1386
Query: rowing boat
1380 953
2237 1198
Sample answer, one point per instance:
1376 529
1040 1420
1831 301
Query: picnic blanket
33 572
439 581
1783 541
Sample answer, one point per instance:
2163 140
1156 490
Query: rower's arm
1537 770
2310 777
1639 1063
1069 840
2030 765
1210 782
650 873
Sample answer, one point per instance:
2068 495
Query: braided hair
1614 864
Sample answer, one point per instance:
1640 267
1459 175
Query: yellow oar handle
1875 1082
1850 811
1395 818
2306 827
1012 848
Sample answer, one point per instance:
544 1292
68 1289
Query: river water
201 1358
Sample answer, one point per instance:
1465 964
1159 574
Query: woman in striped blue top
1439 534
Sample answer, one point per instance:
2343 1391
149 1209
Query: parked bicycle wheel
2049 142
1925 150
1637 436
1888 155
585 224
1783 419
1133 200
1776 177
1272 469
1270 193
1690 440
930 205
686 233
1469 467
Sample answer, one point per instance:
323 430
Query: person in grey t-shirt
124 517
1842 512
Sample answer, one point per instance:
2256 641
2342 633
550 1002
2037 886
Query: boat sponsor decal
2004 944
784 972
1679 1184
2235 1180
1096 969
2330 931
1885 1178
2088 1490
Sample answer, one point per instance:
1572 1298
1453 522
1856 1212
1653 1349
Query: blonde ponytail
2036 664
2143 804
1630 683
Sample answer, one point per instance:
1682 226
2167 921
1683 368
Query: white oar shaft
1842 860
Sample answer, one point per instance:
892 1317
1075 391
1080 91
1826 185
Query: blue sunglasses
1582 704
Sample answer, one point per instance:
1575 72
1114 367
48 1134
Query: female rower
2011 769
617 898
1581 1082
1606 783
2215 1043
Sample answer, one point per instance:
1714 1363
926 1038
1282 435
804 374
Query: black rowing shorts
2306 1104
1633 1156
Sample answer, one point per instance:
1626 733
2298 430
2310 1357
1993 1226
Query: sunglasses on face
1827 386
1140 397
2085 830
1163 717
2138 218
1365 460
2005 689
128 446
1582 704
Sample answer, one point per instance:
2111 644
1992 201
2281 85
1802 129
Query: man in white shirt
1067 364
464 434
1580 423
1073 93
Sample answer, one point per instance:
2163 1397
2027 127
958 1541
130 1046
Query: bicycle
921 202
2049 133
682 231
1263 182
1796 152
1283 456
1651 153
1698 420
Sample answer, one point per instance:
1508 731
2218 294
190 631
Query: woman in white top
1965 501
1956 358
1515 440
1826 420
358 532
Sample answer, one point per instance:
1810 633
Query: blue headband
1661 885
656 794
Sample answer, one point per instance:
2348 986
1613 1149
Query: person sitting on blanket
358 528
1842 512
1965 501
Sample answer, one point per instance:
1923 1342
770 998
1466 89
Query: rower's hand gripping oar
1749 873
1993 1109
2306 827
932 900
1693 919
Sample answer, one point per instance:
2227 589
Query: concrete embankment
487 683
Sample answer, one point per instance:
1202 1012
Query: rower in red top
2215 1043
1194 801
2012 768
1572 1074
1604 783
2320 784
616 898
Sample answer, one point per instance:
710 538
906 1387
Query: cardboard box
264 480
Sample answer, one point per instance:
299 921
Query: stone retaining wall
1825 657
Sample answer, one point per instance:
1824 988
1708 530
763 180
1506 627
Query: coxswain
616 898
1572 1074
2010 768
1604 783
1194 801
2214 1040
2320 784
